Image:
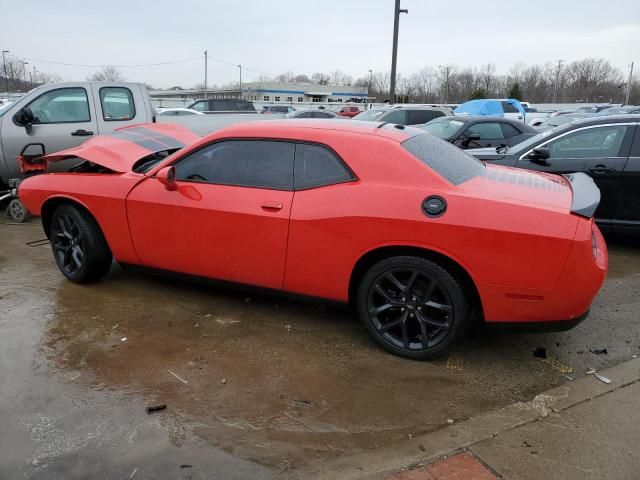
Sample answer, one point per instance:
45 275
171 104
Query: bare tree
320 78
302 78
107 74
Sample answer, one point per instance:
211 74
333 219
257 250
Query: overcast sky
307 36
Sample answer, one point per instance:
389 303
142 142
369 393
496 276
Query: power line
104 66
236 66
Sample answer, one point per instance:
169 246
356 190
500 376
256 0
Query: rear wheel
79 248
412 307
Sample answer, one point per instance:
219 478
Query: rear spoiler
586 195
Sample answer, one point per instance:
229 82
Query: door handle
271 205
81 133
601 169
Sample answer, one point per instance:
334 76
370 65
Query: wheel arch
49 206
371 257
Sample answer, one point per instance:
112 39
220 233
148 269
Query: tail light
598 246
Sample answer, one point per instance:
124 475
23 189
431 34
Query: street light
4 66
370 83
394 55
24 70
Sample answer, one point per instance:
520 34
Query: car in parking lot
493 107
178 112
269 109
476 131
315 113
418 235
558 120
607 148
404 114
349 111
222 105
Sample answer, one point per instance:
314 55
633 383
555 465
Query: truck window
117 104
63 105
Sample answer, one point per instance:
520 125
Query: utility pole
34 75
4 67
240 67
626 98
370 83
557 85
205 75
447 73
394 55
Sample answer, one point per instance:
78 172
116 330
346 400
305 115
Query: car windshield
371 115
445 129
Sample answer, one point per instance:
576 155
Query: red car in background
412 230
349 112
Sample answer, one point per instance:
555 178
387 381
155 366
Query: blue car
493 107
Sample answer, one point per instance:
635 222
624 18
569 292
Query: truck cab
61 116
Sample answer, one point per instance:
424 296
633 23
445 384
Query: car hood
121 149
523 186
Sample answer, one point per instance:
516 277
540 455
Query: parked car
473 132
626 110
558 120
312 114
493 107
605 148
593 109
222 105
178 112
269 109
384 216
404 114
349 111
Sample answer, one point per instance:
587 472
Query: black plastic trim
538 327
586 195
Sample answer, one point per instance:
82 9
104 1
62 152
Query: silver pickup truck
63 115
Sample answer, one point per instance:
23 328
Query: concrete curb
377 463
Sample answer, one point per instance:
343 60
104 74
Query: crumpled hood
121 149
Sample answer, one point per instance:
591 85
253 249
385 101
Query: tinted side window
508 108
486 130
635 148
509 130
317 166
250 163
416 117
117 104
589 143
305 115
397 116
322 115
63 105
200 106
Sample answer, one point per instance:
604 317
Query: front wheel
79 248
412 307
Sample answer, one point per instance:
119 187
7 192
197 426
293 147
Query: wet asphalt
256 385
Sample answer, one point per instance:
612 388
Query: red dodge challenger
413 231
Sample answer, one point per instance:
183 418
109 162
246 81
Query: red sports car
412 230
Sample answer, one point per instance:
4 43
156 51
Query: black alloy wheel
412 307
79 247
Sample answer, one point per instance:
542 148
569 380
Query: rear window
509 108
448 161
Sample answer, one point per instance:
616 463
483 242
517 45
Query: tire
79 248
401 300
17 211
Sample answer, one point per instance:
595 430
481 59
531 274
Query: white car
178 112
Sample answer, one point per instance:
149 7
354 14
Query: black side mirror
25 118
473 137
540 155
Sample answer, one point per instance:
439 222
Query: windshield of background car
449 161
371 115
443 129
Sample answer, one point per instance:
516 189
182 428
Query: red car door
228 217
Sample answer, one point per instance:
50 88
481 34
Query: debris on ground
602 378
449 421
288 327
307 403
115 326
422 449
133 474
223 381
175 375
155 408
598 351
526 444
123 339
196 326
540 352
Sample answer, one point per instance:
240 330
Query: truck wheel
17 212
79 248
412 307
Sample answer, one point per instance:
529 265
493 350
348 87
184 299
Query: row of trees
588 80
21 77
